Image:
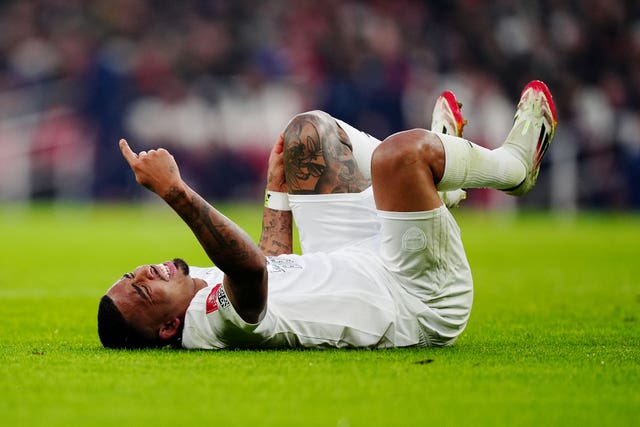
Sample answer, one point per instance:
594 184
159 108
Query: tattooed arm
276 237
226 244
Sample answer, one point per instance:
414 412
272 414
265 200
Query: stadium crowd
216 80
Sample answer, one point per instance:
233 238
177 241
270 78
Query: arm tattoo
228 246
276 237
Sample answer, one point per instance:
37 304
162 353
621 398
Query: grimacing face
153 296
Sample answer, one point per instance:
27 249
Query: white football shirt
338 299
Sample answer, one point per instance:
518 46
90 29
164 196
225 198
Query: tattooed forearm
276 237
175 196
226 244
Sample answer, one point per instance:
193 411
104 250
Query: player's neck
198 284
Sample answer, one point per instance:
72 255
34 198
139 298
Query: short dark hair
116 332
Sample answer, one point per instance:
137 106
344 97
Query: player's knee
416 148
316 115
311 125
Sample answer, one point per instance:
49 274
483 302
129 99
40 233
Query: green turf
554 338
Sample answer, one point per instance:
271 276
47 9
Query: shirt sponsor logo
223 300
212 300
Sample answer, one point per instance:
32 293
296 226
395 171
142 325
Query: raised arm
276 237
226 244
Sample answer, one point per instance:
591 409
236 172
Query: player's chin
181 265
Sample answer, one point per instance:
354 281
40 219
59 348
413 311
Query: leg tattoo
318 157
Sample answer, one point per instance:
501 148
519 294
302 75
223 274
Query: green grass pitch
554 337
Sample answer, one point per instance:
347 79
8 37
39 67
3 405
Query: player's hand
155 169
276 180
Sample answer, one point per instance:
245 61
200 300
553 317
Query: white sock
468 165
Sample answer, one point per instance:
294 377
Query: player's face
155 293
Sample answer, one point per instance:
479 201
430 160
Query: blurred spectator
216 80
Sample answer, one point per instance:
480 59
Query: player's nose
143 272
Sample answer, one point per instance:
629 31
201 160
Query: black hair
116 332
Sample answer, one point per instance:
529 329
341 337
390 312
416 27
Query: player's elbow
248 293
257 268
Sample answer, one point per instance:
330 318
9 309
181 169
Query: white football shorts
422 251
327 222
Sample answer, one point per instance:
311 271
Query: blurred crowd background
215 81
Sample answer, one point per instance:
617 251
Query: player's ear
169 328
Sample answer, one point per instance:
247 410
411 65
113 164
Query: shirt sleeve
226 323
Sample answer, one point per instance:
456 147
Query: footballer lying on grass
382 261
